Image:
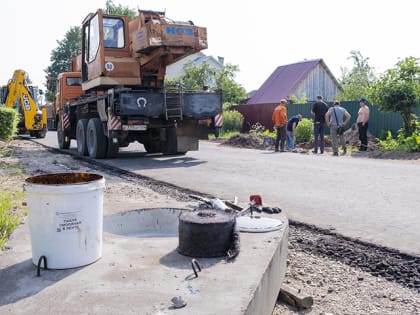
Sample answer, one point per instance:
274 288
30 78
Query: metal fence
379 123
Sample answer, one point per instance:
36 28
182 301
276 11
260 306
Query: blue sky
258 36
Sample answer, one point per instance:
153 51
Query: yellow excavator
23 97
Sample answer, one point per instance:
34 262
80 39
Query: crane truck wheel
170 145
81 130
153 144
40 134
112 148
152 147
62 138
95 139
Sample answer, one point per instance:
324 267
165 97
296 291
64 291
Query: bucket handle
194 263
42 258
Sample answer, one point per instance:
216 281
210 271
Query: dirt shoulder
252 141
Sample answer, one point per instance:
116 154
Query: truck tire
170 145
112 148
40 134
63 139
152 147
153 143
81 131
95 139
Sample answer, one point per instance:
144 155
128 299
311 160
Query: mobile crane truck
115 92
22 96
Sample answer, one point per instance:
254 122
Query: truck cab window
74 81
113 33
93 39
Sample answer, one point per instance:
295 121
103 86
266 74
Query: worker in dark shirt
290 130
319 109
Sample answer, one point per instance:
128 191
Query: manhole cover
258 224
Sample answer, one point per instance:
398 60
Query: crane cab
118 52
106 60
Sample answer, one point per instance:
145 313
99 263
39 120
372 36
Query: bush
304 131
413 142
232 121
259 130
8 220
9 119
383 134
390 143
402 143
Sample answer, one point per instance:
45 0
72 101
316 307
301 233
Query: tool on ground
200 198
178 302
219 204
271 210
257 199
255 205
216 203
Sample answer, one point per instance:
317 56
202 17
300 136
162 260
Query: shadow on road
142 160
20 281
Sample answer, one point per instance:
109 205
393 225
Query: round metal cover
258 224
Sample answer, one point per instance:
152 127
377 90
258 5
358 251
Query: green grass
224 135
7 168
11 211
9 214
10 170
5 151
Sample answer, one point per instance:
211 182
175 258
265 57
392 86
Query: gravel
346 276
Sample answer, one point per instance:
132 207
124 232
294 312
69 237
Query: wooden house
305 79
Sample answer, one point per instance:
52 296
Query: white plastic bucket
65 218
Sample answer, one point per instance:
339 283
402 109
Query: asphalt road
376 201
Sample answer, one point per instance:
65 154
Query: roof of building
178 68
284 81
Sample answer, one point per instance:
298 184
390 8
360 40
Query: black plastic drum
205 233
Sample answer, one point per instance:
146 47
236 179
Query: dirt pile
250 141
254 141
351 136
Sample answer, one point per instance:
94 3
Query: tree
111 8
71 45
357 81
233 92
61 58
398 90
302 100
197 77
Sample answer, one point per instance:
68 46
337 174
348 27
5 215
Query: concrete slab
140 275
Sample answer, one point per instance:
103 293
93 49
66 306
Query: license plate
134 127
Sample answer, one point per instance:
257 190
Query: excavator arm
23 97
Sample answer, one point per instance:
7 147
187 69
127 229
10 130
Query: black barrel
205 233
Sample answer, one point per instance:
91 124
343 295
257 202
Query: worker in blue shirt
290 130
